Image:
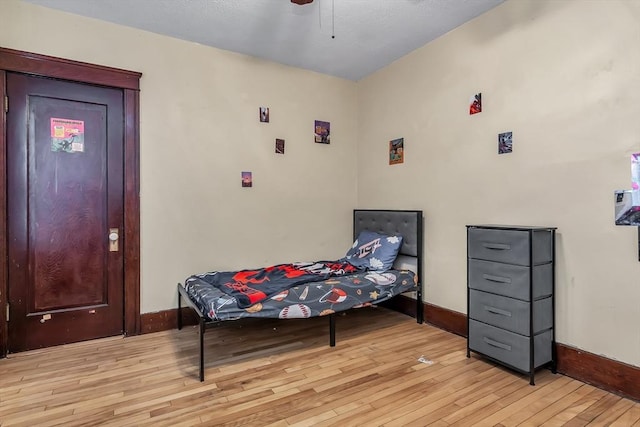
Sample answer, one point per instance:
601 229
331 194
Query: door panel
66 208
65 192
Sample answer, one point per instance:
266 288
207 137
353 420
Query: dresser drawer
509 313
507 347
510 246
510 280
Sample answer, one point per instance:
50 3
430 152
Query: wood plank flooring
283 373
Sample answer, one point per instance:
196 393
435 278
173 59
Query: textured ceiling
369 34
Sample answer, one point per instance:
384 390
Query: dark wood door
64 199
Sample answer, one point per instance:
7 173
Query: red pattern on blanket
252 286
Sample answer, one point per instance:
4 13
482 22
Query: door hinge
6 104
7 312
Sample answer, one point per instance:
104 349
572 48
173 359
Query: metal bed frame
382 221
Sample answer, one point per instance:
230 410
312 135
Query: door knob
113 239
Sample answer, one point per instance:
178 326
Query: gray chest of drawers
510 295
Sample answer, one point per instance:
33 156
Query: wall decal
247 180
264 114
322 132
505 142
475 104
396 151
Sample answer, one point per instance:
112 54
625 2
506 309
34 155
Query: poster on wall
67 135
322 132
635 171
475 104
505 142
247 180
279 146
264 114
396 151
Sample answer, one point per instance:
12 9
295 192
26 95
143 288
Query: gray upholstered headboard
409 225
406 223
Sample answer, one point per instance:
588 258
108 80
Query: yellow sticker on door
67 135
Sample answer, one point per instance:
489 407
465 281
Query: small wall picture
396 151
279 146
505 142
322 132
475 104
635 171
264 114
247 180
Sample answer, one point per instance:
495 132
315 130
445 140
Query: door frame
81 72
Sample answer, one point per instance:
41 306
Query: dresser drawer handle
496 278
497 344
497 246
497 311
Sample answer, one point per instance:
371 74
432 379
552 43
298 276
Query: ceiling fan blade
301 2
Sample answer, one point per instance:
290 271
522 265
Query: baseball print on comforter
319 296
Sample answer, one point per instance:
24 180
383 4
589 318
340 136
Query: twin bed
385 261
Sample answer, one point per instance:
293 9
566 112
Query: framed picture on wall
322 131
247 179
475 104
264 114
396 151
505 142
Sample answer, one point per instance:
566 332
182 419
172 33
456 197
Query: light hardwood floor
283 373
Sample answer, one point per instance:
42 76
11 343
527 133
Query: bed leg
419 306
179 309
332 330
202 328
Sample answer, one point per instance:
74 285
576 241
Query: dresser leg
531 382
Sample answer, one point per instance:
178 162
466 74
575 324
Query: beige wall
564 76
199 130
